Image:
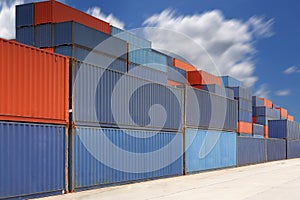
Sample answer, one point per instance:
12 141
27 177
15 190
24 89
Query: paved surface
271 181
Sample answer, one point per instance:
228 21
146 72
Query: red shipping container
54 12
202 78
198 87
51 50
283 113
34 84
244 127
183 65
267 103
290 118
254 120
266 132
173 83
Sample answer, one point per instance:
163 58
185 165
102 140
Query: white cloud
96 12
263 91
291 70
283 92
210 41
7 18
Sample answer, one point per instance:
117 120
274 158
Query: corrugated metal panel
251 151
245 116
170 61
206 150
25 35
267 103
44 35
110 156
130 37
34 84
54 12
24 15
244 104
263 120
269 112
32 159
283 112
207 110
293 149
67 33
276 149
229 93
92 57
244 127
258 129
245 135
217 89
258 136
183 65
241 92
177 75
147 57
115 99
202 78
230 82
284 129
148 73
257 102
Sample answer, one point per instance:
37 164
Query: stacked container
33 121
176 75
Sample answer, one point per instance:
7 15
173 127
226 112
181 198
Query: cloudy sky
254 41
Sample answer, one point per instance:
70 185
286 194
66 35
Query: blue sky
273 47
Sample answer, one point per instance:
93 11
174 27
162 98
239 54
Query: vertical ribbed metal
25 15
293 149
276 149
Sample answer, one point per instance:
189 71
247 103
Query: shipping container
264 120
284 129
170 62
112 156
293 149
253 119
44 35
25 15
258 129
183 65
55 12
147 73
266 132
290 118
147 57
269 112
220 90
34 84
173 83
251 151
210 111
276 149
67 33
256 101
283 113
33 160
176 74
267 103
245 116
258 136
244 127
202 78
25 35
245 135
242 93
111 98
207 150
244 104
230 82
130 37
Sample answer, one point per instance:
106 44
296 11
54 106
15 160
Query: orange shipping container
202 78
283 113
173 83
183 65
290 118
54 12
267 103
245 127
266 132
33 84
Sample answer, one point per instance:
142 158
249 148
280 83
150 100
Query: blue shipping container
257 102
276 149
251 151
44 35
284 129
177 75
293 149
244 104
258 129
32 159
147 73
243 93
263 120
245 116
25 15
226 92
109 98
230 82
67 33
206 150
25 35
111 156
210 111
130 37
269 112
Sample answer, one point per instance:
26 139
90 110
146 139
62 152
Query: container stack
176 74
33 121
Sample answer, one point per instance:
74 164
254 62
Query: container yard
87 105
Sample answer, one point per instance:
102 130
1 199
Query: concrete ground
270 181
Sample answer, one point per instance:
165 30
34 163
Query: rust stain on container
33 84
54 12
